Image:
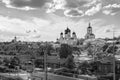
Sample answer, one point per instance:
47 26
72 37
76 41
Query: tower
89 34
74 35
67 33
61 35
89 29
15 39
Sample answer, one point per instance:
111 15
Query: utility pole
45 63
113 60
114 77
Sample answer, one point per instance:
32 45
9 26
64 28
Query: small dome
61 33
89 25
73 33
67 30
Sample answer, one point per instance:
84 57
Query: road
50 76
24 75
40 76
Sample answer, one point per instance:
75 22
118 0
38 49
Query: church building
89 34
67 38
71 38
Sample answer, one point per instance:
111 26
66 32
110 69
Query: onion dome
67 30
61 33
73 33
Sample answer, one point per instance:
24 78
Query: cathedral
67 38
89 34
71 39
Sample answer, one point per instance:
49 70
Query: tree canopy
65 51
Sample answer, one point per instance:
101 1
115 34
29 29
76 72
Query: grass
10 78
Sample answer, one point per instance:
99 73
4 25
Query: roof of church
74 33
67 30
61 33
89 25
92 34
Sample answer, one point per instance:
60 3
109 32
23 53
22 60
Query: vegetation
65 51
70 64
97 51
10 78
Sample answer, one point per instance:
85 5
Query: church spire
89 25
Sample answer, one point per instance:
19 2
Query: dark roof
92 34
61 33
89 25
74 33
67 30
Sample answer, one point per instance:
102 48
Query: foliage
80 42
65 51
14 62
110 50
76 50
105 47
70 64
100 52
10 78
47 48
6 62
38 62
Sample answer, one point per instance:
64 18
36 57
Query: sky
44 20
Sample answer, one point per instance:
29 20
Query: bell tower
89 34
89 29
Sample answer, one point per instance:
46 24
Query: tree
65 51
38 62
49 49
70 64
45 48
105 47
76 50
14 62
84 66
95 49
110 50
80 42
6 62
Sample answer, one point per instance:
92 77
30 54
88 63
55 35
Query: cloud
111 9
56 5
25 4
70 7
10 27
9 35
42 30
108 12
74 13
75 3
107 2
112 6
92 2
65 4
94 10
89 7
105 33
